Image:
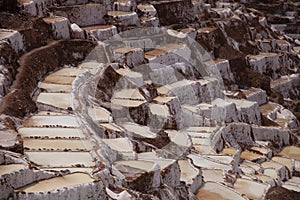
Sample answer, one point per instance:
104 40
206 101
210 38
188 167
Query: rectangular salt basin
63 80
215 175
133 94
163 163
61 159
71 169
138 164
50 87
5 33
58 144
47 113
64 121
6 169
119 144
202 129
164 99
179 138
213 191
202 162
160 110
58 100
67 72
57 183
291 152
252 189
27 132
127 103
110 126
92 67
203 149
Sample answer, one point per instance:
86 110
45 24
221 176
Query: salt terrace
164 99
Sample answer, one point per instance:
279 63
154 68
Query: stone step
83 15
124 5
219 110
220 12
180 138
190 117
267 45
288 86
149 21
223 66
191 92
265 63
129 77
169 170
179 11
153 171
248 111
198 6
168 54
256 95
101 32
60 27
272 134
77 32
279 115
122 18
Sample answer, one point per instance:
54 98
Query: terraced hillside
133 99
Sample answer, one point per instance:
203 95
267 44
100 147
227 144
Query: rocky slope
165 99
